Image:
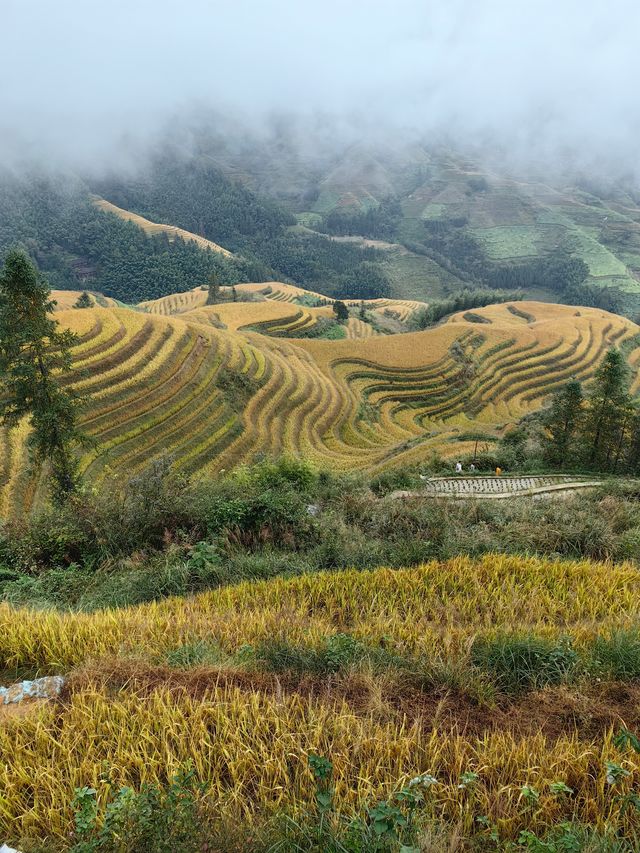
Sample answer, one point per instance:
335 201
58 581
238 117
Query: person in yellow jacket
498 471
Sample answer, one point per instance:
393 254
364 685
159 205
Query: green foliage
513 448
83 301
600 432
195 654
195 195
609 413
162 820
379 222
75 242
32 352
237 387
364 280
161 534
337 653
559 272
520 663
462 301
322 769
562 422
617 656
573 838
213 288
340 310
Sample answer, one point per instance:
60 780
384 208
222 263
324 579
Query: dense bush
162 534
154 818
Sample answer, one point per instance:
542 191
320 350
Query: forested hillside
363 222
78 245
196 195
453 220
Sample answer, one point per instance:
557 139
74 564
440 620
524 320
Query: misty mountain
358 220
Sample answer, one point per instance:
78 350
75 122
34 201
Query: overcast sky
77 77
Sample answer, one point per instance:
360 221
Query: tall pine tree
608 412
561 423
32 353
213 295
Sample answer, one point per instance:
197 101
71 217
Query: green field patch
508 241
418 277
326 201
549 216
434 211
309 218
601 261
630 259
626 283
593 216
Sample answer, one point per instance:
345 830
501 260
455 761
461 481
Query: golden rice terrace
217 386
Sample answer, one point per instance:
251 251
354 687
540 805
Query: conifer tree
213 296
561 423
32 352
608 412
83 301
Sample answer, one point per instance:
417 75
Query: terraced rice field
158 228
248 732
500 487
66 299
210 389
282 294
401 309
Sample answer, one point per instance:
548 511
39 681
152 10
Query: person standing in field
458 467
498 471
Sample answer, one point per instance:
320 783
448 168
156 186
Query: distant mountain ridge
398 221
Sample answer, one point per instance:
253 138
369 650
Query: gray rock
41 688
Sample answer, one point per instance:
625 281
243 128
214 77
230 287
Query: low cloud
85 84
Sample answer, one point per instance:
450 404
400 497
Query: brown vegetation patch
586 710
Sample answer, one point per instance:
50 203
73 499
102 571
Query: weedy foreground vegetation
282 659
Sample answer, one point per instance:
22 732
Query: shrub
195 654
265 504
524 662
53 537
155 818
628 547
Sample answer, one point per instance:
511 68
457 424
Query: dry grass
250 739
434 610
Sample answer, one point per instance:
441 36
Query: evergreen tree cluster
462 301
598 431
79 246
378 222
